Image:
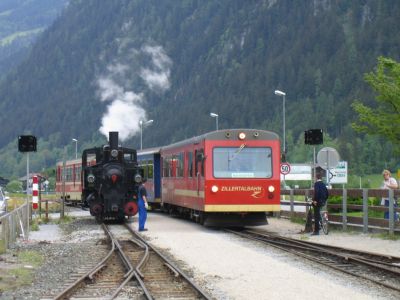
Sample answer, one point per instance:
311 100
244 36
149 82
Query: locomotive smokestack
113 139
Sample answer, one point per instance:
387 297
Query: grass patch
2 247
65 220
297 220
22 272
386 236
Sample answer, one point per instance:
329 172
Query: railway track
131 269
383 270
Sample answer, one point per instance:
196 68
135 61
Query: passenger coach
226 177
71 189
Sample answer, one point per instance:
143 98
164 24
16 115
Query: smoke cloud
125 108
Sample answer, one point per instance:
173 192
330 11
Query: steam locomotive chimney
113 139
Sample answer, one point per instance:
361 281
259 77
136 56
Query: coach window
150 169
78 173
190 164
165 167
179 165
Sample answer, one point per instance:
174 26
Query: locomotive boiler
110 180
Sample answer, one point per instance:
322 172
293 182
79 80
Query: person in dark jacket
319 200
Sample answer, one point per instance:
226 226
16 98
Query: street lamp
76 147
216 118
142 123
283 94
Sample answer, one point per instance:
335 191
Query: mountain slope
114 62
21 22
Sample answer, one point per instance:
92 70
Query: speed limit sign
285 168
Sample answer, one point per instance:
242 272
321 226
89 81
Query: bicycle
324 219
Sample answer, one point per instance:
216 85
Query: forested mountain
103 65
21 22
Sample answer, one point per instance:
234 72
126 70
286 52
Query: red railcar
226 177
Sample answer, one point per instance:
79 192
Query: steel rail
350 259
171 265
383 258
90 274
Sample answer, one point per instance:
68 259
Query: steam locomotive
110 180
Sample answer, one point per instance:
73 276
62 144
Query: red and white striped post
35 192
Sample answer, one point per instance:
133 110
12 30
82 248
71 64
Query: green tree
14 186
384 119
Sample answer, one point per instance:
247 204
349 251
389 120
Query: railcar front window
242 162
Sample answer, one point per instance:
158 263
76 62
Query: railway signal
27 143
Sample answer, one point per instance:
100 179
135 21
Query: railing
14 224
343 218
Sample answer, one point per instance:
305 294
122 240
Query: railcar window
190 164
199 163
179 165
166 167
242 162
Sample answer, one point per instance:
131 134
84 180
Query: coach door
199 169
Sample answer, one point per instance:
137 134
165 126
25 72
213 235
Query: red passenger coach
225 178
71 187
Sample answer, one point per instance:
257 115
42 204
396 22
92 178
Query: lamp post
143 123
283 94
76 147
213 115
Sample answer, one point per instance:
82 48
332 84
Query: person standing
320 196
143 205
388 183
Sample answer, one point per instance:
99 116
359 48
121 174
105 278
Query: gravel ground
226 266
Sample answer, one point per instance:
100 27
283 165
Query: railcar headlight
91 178
271 189
214 189
138 178
242 136
114 153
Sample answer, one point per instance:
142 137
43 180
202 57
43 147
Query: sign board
327 158
285 168
299 172
338 175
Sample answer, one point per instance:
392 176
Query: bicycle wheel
324 222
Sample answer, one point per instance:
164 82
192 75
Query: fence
14 224
342 218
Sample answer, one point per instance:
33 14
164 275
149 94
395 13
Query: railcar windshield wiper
237 152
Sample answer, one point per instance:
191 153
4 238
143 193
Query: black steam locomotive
111 178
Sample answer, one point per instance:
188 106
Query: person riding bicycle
319 200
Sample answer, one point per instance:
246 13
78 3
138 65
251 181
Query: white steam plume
158 78
124 112
125 109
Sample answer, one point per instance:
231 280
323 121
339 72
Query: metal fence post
291 204
391 212
365 210
344 210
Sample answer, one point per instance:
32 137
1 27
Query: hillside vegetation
115 62
21 22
